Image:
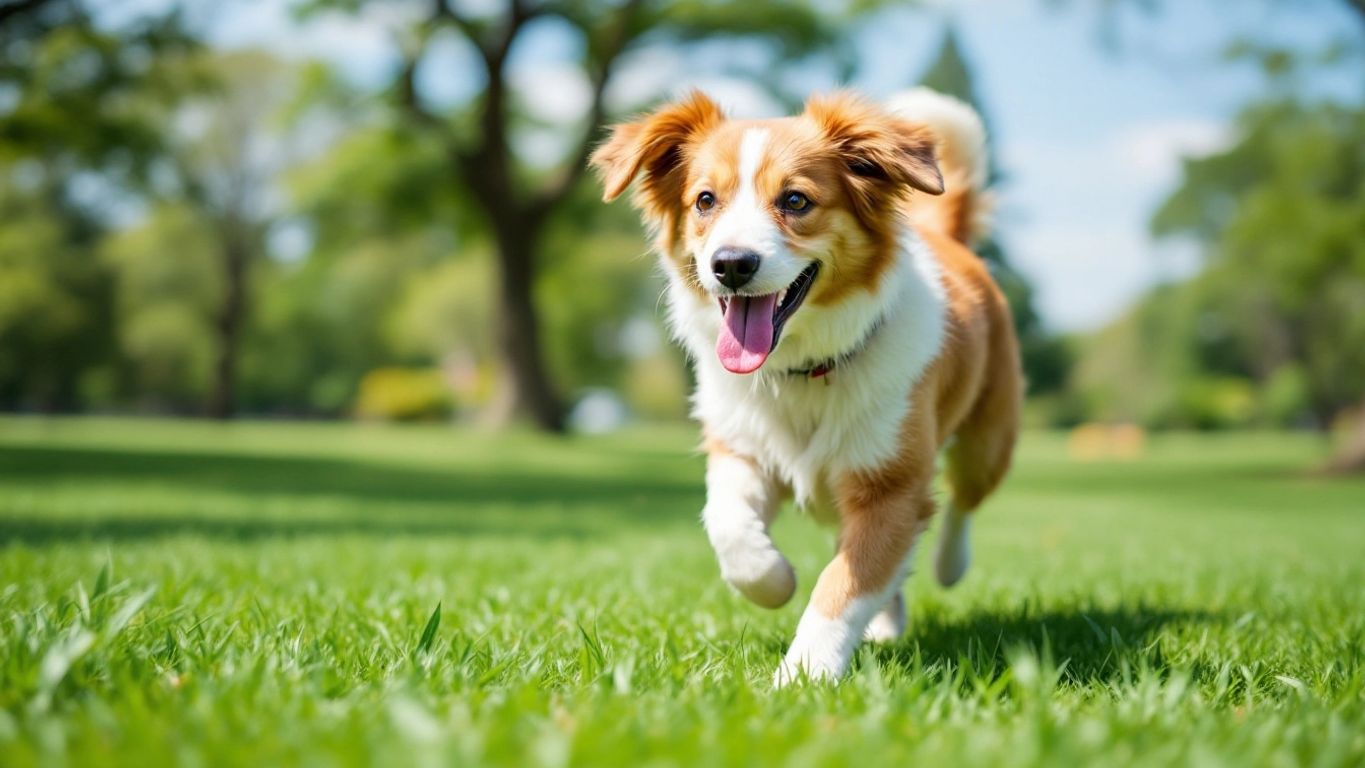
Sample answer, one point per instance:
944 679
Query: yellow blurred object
403 394
1098 442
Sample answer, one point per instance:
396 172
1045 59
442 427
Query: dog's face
765 217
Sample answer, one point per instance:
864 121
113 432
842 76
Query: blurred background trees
1271 331
74 131
518 200
190 230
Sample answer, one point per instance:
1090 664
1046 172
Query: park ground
267 594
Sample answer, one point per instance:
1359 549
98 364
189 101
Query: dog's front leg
880 523
740 502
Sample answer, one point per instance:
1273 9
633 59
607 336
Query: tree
166 286
74 134
1046 360
517 200
1280 213
53 301
225 150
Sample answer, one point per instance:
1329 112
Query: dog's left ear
879 148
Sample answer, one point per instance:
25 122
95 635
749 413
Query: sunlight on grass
335 594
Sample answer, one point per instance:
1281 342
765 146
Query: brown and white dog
842 333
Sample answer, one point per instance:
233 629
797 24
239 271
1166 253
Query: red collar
816 372
825 367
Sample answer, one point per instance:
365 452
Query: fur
921 337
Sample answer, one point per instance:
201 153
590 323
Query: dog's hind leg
954 552
741 500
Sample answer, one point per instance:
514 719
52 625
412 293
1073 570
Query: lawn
264 594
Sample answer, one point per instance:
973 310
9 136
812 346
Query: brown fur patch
658 148
973 390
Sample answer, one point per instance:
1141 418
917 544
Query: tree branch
488 165
577 164
411 101
556 191
19 7
407 93
1359 7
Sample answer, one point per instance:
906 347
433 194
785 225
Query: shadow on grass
1095 644
373 498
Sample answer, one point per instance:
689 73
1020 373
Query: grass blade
102 581
429 633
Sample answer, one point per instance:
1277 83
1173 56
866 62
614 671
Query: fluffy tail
964 209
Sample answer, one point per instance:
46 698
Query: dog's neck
821 369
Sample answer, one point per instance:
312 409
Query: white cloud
1074 216
1088 275
1152 150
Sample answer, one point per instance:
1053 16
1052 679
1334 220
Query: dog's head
763 217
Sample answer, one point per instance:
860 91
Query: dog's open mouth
753 324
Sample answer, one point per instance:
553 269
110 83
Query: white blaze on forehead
750 155
745 222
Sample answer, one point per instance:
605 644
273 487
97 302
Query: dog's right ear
656 146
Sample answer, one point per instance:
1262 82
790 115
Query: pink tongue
746 338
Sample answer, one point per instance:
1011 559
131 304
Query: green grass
260 594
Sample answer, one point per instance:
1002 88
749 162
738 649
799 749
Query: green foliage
1285 398
378 180
82 91
443 311
54 297
334 315
74 120
257 594
1211 403
1272 331
1281 213
585 317
167 285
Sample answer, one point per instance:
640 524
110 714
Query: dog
842 332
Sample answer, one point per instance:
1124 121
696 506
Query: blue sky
1090 137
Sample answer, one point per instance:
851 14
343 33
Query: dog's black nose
734 267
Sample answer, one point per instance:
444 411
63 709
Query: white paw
804 670
954 549
761 574
823 647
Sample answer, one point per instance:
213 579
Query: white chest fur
805 430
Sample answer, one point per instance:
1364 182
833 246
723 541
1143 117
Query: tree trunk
527 391
223 398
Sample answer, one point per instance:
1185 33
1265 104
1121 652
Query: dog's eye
795 201
705 202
